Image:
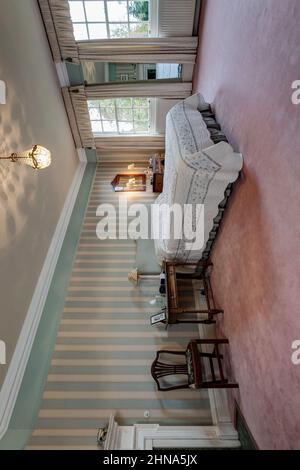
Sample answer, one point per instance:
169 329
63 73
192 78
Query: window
102 19
121 116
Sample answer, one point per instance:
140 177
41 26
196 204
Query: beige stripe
100 270
99 194
89 238
130 290
98 278
113 347
98 378
65 432
110 299
100 288
95 201
105 252
123 414
120 395
92 227
110 261
101 362
128 334
140 309
144 321
121 217
63 447
105 245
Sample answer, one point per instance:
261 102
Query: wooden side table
157 173
175 313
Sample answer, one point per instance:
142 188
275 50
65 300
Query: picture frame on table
158 317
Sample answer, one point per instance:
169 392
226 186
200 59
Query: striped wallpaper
105 344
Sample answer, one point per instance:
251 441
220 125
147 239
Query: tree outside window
120 116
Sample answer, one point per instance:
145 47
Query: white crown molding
82 155
2 92
12 383
62 74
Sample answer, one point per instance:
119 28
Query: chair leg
216 311
212 341
202 354
218 356
212 369
219 385
203 322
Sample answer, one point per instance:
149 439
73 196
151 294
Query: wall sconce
38 157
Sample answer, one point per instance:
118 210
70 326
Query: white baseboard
220 412
12 383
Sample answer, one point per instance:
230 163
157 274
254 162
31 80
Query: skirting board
217 396
10 388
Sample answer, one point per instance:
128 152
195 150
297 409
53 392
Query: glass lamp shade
38 157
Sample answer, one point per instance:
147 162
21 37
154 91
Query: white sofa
197 171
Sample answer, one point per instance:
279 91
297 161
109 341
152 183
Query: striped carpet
105 344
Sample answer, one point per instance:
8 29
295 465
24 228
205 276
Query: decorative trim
82 155
148 436
2 92
59 28
62 74
15 373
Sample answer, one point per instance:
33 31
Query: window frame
151 121
152 21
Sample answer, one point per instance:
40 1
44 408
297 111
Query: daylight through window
121 116
95 19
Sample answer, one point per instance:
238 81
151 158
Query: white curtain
175 50
79 103
137 144
149 89
128 148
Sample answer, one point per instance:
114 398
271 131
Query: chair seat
194 366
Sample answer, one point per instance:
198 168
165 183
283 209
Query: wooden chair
192 367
